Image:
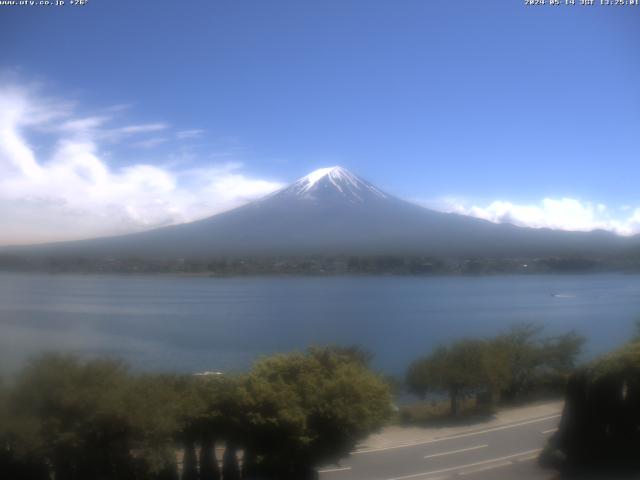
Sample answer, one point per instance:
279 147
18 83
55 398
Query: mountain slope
332 211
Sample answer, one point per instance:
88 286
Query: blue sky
182 109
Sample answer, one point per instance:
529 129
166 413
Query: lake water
194 324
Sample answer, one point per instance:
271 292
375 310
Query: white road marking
462 467
528 458
484 469
329 470
453 437
456 451
551 430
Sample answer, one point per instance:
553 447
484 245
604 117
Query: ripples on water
192 324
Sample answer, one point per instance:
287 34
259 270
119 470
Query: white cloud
88 124
557 213
132 129
150 142
74 192
186 134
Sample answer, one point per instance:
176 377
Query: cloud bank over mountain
556 213
332 211
59 182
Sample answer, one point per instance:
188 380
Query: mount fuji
333 211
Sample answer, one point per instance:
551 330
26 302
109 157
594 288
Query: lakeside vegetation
322 265
69 419
599 433
477 374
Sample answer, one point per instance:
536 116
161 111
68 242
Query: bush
600 426
76 420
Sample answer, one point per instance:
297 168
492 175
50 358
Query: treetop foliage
95 419
510 365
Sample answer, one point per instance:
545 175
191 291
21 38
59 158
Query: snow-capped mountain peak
334 180
312 178
334 212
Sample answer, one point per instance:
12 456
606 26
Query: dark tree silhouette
189 462
230 467
600 426
209 469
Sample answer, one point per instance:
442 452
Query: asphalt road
502 452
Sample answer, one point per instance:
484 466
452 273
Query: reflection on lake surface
191 324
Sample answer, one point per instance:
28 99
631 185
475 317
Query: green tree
19 452
209 469
79 420
463 368
92 419
217 418
418 379
189 461
74 415
355 353
524 357
560 353
533 359
599 433
302 409
230 467
156 412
